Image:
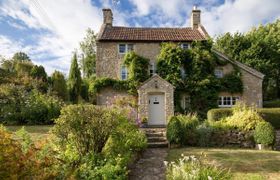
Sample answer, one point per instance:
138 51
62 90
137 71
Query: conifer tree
74 81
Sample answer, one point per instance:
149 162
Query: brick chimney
195 18
107 17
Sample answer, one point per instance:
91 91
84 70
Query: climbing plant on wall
192 71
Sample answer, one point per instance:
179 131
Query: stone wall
108 95
155 85
252 93
109 61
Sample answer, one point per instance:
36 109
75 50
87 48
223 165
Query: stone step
156 139
157 144
155 134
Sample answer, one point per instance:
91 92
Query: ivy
102 83
232 82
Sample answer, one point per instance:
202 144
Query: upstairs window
123 48
227 101
152 69
185 46
219 73
124 73
186 102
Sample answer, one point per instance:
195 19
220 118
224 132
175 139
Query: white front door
156 110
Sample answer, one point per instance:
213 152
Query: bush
272 104
188 123
264 133
271 115
18 106
218 114
174 131
124 141
86 127
21 159
193 168
204 134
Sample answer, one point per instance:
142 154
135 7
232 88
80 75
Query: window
152 69
130 47
124 73
227 101
185 46
123 48
219 73
186 102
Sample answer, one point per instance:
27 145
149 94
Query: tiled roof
116 33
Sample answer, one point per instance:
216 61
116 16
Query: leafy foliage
59 86
264 133
258 48
232 82
190 167
88 48
74 80
174 131
101 83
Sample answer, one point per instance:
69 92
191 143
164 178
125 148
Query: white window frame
152 69
126 49
188 45
219 72
124 72
224 99
185 101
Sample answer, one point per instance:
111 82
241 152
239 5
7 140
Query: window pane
185 46
124 73
183 73
121 48
130 47
152 69
220 101
219 73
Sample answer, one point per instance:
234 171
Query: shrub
218 114
125 140
204 134
264 133
174 131
272 104
192 168
188 123
86 127
244 119
271 115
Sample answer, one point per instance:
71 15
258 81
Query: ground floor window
227 101
124 73
186 102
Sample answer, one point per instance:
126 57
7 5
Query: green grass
244 164
37 132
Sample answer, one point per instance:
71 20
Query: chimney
107 17
195 18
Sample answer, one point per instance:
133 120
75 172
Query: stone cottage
155 96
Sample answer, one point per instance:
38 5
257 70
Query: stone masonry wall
109 61
150 88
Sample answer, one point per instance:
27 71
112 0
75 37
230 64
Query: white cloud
239 15
65 21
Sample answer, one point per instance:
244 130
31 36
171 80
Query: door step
156 137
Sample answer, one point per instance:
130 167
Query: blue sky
49 31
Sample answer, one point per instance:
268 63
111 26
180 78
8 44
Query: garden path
150 166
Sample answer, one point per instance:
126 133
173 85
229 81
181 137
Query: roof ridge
133 27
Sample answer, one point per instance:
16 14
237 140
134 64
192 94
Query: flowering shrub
190 167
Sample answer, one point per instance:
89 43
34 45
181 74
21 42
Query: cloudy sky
50 30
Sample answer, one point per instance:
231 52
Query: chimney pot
195 18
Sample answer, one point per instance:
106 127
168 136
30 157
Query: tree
59 86
258 48
74 81
88 55
21 57
39 72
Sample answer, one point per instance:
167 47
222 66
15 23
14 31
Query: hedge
272 104
271 115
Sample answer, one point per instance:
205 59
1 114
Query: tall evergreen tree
74 81
59 86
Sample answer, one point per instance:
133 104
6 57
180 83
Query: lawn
37 132
244 164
